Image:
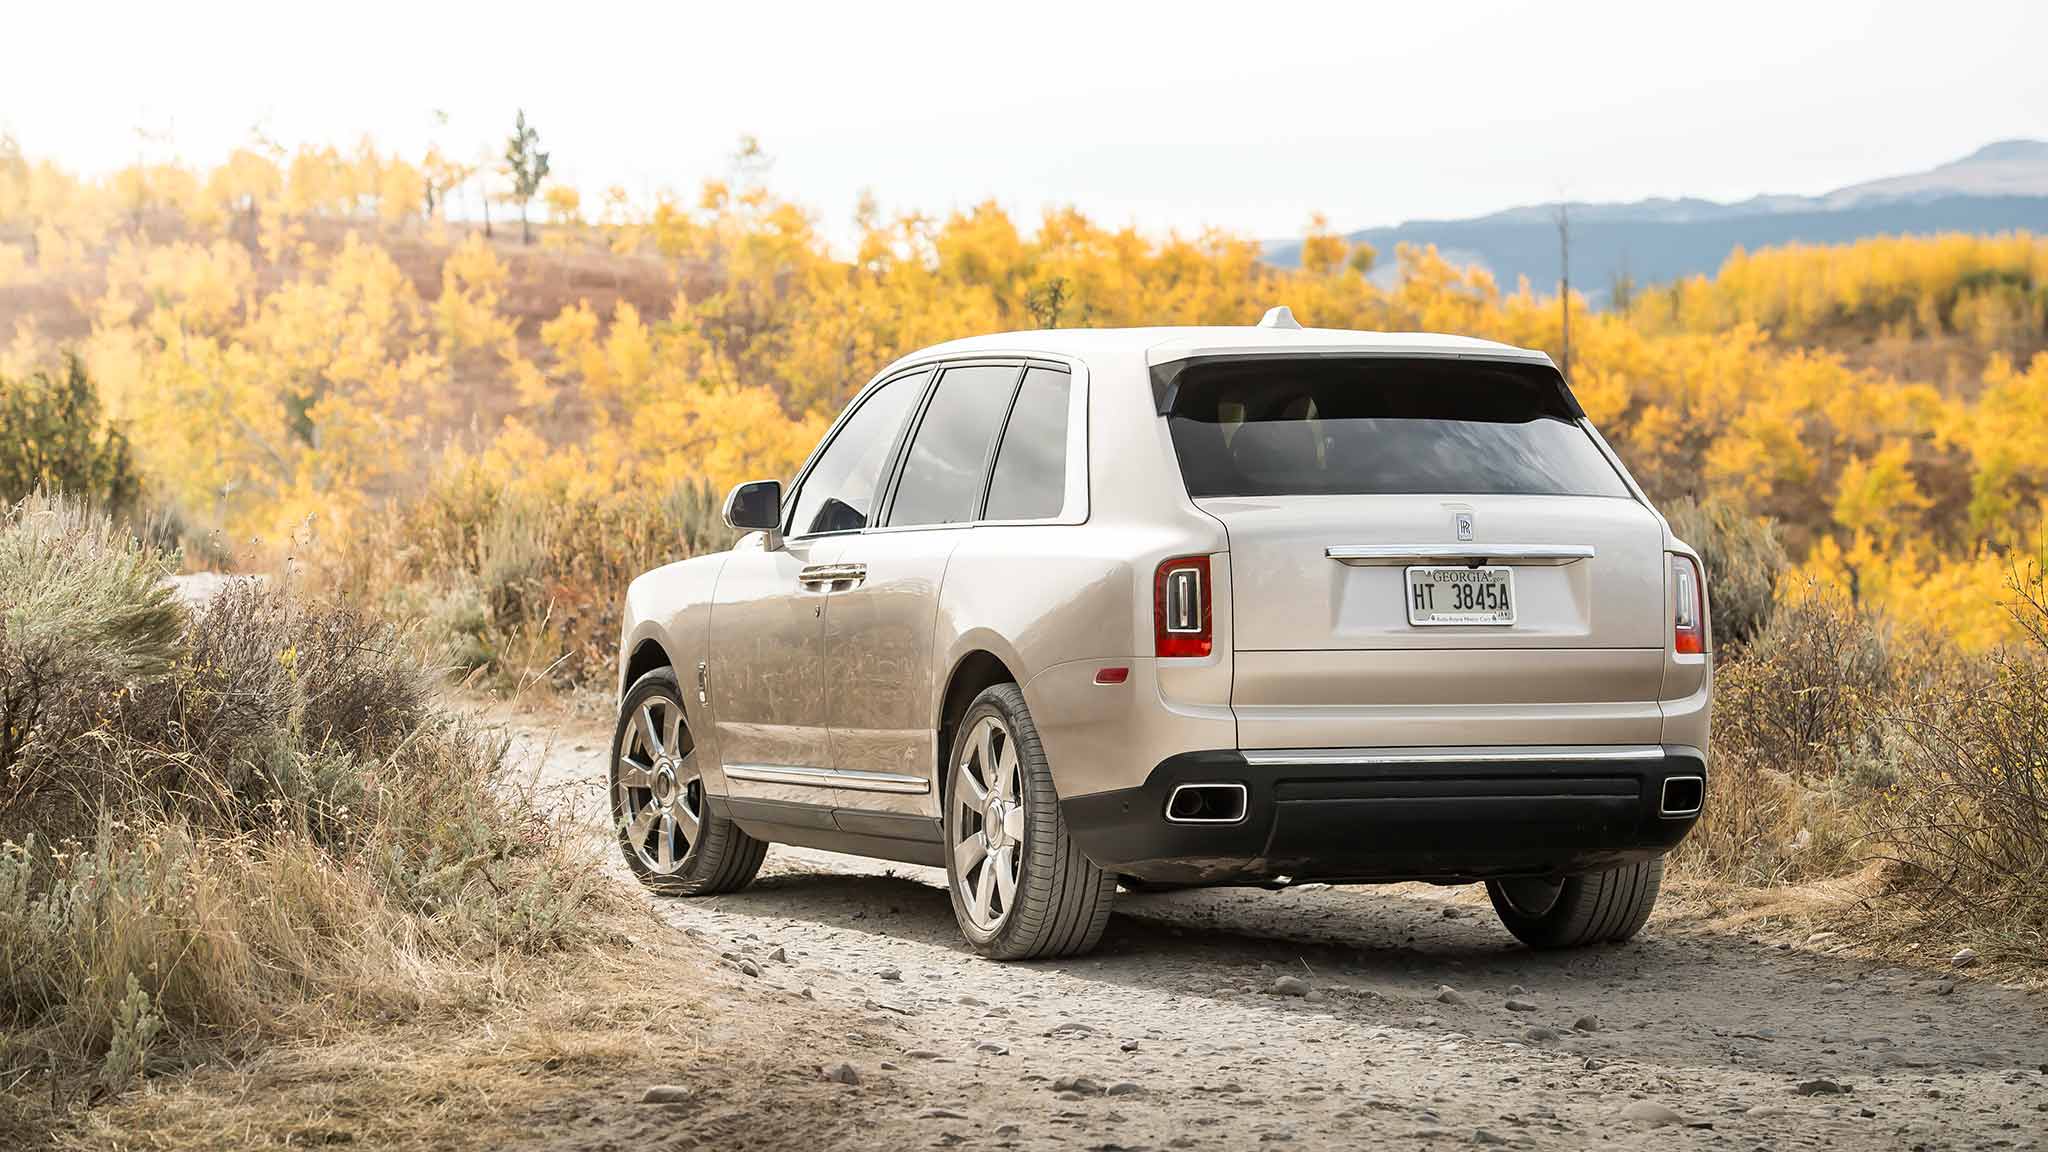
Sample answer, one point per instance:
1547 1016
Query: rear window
1277 427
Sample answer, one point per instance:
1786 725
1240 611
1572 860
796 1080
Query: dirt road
1181 1033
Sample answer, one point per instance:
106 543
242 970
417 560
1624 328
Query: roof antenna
1280 316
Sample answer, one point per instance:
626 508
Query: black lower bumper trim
1446 820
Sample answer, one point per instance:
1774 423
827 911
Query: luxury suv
1176 607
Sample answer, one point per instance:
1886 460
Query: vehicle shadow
1378 958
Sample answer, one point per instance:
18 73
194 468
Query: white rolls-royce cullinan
1183 606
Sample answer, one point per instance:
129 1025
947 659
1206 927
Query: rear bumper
1450 814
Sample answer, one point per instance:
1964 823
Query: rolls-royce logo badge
1464 520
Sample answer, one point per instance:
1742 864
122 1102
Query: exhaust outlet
1206 804
1683 796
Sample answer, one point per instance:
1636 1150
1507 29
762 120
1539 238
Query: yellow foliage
565 204
1877 495
284 356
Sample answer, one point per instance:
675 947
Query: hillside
301 349
2001 187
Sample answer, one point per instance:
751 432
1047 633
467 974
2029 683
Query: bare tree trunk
1564 292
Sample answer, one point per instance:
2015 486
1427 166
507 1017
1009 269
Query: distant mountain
1998 188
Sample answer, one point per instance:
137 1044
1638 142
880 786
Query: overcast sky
1245 116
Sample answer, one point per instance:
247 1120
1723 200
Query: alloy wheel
988 825
658 796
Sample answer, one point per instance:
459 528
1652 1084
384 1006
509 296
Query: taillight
1688 606
1180 608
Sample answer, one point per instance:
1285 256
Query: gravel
1289 986
1688 1015
1650 1114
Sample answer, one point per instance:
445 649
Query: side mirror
755 506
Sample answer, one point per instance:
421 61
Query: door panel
769 689
878 646
767 669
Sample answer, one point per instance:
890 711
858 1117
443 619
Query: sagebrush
238 821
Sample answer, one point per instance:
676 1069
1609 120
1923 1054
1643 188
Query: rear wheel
1021 888
1575 911
672 840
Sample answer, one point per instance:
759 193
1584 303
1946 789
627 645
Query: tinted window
1030 479
942 475
839 493
1288 427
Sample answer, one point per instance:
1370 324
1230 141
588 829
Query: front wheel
1021 887
1576 911
672 840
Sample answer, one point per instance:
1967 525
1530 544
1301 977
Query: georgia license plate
1461 595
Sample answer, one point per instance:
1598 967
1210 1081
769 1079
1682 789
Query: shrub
524 585
83 612
1966 825
1800 741
233 823
1802 697
52 438
1745 562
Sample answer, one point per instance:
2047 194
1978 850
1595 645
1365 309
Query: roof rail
1280 316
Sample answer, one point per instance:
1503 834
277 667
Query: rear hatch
1453 510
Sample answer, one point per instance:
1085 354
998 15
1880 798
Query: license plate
1461 595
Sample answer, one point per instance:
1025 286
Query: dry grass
1966 825
517 587
469 1070
241 827
1844 750
1797 725
557 1059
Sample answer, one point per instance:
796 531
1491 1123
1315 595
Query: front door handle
830 576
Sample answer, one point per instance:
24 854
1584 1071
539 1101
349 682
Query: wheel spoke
666 845
984 891
632 775
985 756
642 821
689 802
654 746
1004 864
967 853
1006 769
974 796
1013 824
672 734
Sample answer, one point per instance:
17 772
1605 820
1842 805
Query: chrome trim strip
1357 554
828 778
1548 754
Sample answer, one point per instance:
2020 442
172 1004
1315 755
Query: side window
839 494
1030 480
942 475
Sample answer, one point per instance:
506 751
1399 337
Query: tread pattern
1064 899
724 859
1594 908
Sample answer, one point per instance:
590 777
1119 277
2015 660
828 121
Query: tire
1058 901
658 800
1578 911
